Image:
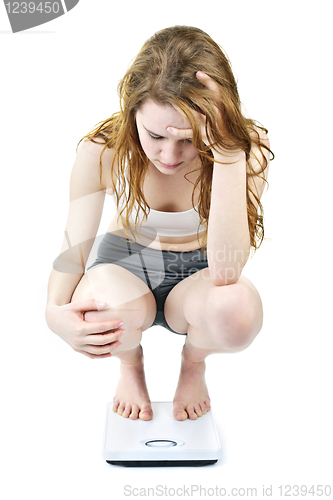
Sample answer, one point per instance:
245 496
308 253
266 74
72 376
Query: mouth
165 165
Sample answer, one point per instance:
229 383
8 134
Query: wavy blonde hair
165 71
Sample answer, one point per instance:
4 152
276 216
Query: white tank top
172 224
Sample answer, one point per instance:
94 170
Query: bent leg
130 300
127 297
217 319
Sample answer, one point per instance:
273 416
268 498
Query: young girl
187 171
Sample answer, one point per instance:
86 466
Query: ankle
192 354
133 356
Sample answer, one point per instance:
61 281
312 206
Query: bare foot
191 398
131 399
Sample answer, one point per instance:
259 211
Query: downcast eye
155 137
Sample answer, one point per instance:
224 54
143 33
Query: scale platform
162 441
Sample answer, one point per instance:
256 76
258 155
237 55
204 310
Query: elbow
226 273
227 276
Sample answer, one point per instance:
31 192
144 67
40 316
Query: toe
198 410
207 403
191 413
134 413
146 413
203 408
115 405
179 412
127 411
121 408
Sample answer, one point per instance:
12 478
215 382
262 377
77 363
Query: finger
86 305
86 328
101 340
95 356
99 350
181 133
200 116
207 81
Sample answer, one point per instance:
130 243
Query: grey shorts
161 270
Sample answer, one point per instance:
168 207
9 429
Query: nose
171 152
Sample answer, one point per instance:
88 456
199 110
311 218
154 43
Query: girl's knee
127 297
235 318
133 314
132 318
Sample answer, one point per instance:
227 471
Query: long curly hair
165 71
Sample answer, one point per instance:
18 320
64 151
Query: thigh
179 267
125 293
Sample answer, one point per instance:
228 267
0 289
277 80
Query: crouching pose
186 170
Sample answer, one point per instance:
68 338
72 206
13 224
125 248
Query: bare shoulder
259 161
87 176
257 152
93 147
261 134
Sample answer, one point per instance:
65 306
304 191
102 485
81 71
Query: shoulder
258 161
93 149
87 177
259 136
260 149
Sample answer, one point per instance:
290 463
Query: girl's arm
228 239
87 194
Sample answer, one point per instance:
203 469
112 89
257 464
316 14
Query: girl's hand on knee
98 339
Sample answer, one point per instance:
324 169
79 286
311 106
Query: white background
272 402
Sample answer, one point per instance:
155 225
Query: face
166 152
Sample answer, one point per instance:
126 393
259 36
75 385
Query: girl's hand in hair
219 153
210 84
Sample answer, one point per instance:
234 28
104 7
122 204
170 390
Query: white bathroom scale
162 441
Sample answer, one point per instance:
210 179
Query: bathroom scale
162 441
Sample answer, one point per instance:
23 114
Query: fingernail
101 303
122 333
200 73
121 323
